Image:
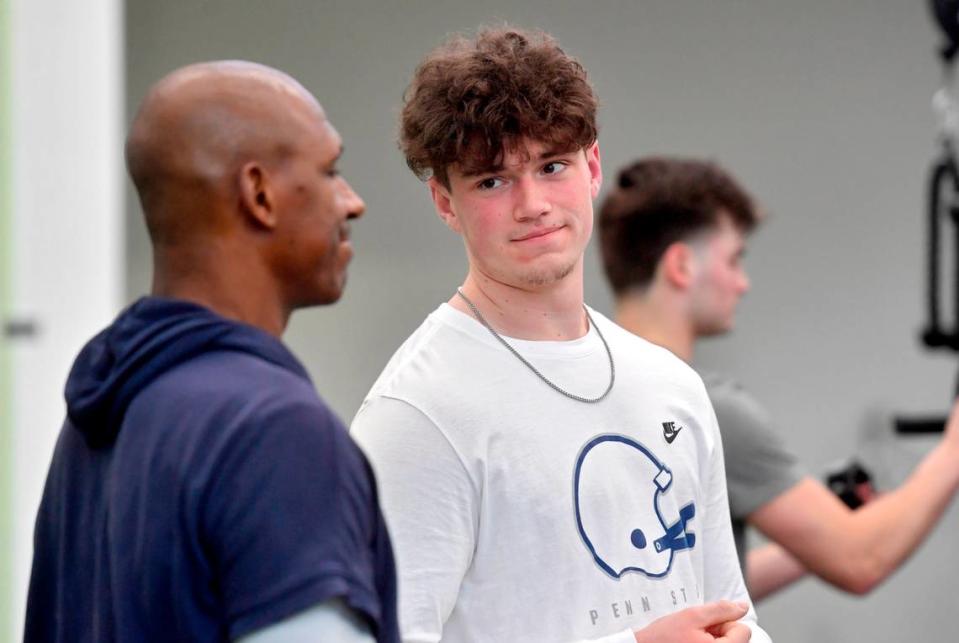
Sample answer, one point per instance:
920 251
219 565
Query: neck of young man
661 322
549 312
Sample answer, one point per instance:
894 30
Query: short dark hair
658 201
473 100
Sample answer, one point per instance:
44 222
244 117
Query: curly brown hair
658 201
473 100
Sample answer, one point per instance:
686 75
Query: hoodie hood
148 339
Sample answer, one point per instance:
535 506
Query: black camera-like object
852 482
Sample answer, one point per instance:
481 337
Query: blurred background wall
61 239
822 108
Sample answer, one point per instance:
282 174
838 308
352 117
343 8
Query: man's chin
546 276
329 294
716 329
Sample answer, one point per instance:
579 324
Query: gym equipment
943 210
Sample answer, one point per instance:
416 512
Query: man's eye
489 183
554 167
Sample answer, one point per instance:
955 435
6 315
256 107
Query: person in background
673 233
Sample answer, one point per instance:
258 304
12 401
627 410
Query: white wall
822 107
67 224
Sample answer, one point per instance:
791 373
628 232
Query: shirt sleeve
722 575
289 517
759 467
431 508
329 621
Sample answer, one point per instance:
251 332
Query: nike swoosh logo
670 434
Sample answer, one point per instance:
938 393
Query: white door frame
62 255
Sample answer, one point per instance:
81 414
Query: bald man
200 490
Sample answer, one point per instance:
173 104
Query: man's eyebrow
493 169
554 152
475 172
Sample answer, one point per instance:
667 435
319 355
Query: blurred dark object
920 425
943 190
852 483
942 215
20 328
947 15
943 208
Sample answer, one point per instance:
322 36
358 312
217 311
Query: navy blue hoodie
200 490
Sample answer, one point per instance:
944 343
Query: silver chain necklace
555 387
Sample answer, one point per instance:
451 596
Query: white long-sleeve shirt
518 514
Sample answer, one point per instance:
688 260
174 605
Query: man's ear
256 195
443 203
595 169
678 265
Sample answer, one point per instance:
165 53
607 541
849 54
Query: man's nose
355 206
531 200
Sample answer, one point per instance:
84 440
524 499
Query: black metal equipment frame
943 206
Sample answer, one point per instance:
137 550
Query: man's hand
732 632
700 624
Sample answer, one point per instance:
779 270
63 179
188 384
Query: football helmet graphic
626 530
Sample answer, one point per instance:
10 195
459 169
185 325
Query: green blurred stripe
6 384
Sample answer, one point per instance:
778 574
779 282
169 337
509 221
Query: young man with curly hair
673 232
546 475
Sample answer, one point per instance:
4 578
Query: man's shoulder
732 401
748 430
661 356
226 388
435 352
224 373
722 383
639 353
235 412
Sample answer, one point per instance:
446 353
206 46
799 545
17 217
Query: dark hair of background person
658 201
